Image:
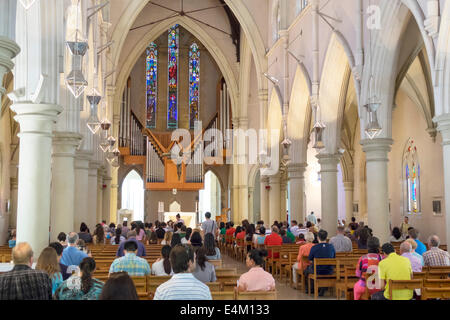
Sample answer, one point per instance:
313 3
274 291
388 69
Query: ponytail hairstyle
87 267
165 252
258 256
118 234
200 257
188 233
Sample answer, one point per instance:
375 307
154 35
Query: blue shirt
183 286
322 250
130 263
421 248
71 256
140 251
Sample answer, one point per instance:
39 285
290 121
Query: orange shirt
273 239
303 251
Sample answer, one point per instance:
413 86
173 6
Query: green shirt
290 236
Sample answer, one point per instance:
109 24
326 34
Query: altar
190 218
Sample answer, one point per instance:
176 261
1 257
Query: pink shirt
141 235
256 279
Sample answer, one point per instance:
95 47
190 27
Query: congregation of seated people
66 269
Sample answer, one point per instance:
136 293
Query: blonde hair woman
167 238
48 262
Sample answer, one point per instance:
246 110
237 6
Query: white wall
312 184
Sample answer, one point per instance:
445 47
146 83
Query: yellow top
395 267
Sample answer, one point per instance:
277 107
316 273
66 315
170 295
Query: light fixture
373 128
93 122
75 80
318 129
27 3
286 146
105 125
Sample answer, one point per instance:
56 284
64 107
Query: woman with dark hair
238 230
112 228
81 286
153 238
212 252
162 266
187 236
363 235
119 287
48 262
258 239
99 235
204 271
84 233
396 235
196 239
118 238
256 279
140 232
176 239
222 231
370 260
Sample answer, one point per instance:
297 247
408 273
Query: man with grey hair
23 282
71 255
435 256
414 234
406 251
340 242
131 235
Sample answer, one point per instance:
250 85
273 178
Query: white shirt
183 286
312 218
158 269
295 230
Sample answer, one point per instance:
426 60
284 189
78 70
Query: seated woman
118 238
162 266
176 239
212 252
396 235
204 271
196 239
258 239
303 251
370 260
284 236
153 238
256 279
12 240
99 235
48 262
187 236
119 287
81 286
167 238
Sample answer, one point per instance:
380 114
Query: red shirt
230 232
240 235
273 239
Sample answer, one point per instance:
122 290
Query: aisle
285 292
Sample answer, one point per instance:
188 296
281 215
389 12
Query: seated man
393 267
183 285
414 234
72 256
320 250
24 283
406 251
435 256
340 242
130 263
273 239
131 235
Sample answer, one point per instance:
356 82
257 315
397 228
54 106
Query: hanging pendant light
105 125
286 146
93 122
318 129
373 128
75 80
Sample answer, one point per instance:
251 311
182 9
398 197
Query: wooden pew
256 295
404 285
223 295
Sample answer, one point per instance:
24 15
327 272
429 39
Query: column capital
84 155
14 182
274 179
36 118
250 189
8 50
263 95
443 126
65 143
264 179
328 162
296 170
377 149
348 185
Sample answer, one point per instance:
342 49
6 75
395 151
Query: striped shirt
132 264
436 257
183 286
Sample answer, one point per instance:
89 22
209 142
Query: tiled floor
284 291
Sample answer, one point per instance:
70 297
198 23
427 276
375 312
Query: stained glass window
172 108
152 84
411 178
194 84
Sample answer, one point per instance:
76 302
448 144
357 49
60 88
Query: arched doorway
133 195
209 197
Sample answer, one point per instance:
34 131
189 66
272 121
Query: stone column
33 209
114 175
251 215
283 197
63 183
274 199
13 209
329 202
92 194
81 188
348 188
100 196
443 127
243 171
377 186
8 50
264 200
296 176
106 200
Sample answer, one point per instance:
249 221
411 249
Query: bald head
412 242
434 241
405 247
72 239
22 254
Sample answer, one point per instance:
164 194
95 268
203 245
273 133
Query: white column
443 127
283 197
243 172
13 204
106 199
377 186
92 194
81 188
296 176
348 188
251 215
328 172
63 183
33 210
264 200
100 196
274 199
